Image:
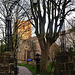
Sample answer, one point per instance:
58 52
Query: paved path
24 71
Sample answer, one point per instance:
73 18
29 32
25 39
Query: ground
24 71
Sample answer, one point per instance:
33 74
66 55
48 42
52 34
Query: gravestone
6 63
65 64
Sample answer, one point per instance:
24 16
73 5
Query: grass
33 69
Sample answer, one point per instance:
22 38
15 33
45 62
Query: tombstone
65 64
6 63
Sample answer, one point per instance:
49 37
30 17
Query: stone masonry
65 64
6 63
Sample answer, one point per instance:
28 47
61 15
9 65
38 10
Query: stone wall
6 63
65 64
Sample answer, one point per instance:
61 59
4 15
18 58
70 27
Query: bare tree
6 16
50 14
11 12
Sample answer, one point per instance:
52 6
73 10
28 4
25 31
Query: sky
72 15
70 18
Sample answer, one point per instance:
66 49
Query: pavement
24 71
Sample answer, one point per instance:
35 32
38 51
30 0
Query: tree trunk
44 60
44 56
45 47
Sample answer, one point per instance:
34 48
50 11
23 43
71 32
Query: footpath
24 71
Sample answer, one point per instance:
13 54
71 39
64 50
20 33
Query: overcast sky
68 17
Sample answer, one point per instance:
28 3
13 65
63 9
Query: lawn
33 69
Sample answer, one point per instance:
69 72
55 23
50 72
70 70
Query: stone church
28 46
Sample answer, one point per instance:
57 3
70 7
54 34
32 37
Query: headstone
6 63
65 64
